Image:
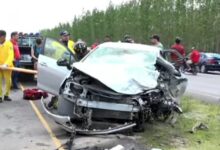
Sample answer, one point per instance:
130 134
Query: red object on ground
179 48
195 56
34 94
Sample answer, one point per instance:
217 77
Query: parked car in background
209 62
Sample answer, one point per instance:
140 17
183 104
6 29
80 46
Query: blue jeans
15 75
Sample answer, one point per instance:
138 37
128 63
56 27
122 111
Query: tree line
197 22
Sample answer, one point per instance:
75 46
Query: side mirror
63 62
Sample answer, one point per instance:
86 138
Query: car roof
129 46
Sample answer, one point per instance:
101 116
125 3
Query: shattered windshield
119 56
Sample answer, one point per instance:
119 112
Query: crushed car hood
125 79
129 80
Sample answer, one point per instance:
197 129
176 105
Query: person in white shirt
155 41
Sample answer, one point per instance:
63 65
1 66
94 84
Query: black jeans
15 75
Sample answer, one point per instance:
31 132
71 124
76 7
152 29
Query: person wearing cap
6 60
65 39
155 41
17 56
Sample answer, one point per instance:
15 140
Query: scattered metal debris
156 149
118 147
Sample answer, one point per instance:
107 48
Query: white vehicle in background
115 87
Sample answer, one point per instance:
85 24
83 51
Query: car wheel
203 69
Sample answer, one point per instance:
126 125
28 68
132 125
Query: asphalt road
25 126
205 87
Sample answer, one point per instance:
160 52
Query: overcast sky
33 15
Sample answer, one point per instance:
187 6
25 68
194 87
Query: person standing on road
179 48
17 56
155 41
6 60
65 39
36 50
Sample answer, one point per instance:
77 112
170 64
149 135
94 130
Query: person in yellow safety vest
6 60
65 39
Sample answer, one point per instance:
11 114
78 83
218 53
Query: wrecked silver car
116 86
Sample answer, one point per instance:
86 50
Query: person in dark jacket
36 50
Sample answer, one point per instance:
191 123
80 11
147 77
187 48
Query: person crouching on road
6 60
17 56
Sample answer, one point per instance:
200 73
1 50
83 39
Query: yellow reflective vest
6 53
71 46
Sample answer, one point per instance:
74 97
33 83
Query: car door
50 75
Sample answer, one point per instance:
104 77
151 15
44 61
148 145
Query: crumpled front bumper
57 118
65 123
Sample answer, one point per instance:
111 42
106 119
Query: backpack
34 94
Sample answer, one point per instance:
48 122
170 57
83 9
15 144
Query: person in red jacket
195 56
179 48
17 57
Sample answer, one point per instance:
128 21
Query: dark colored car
209 62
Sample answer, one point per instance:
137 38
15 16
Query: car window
56 50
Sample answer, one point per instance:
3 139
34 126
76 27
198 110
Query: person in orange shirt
6 60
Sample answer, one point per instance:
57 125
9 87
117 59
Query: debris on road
118 147
199 126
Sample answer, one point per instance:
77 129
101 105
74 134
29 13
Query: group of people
10 54
194 56
9 57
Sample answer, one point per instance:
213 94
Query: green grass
177 137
